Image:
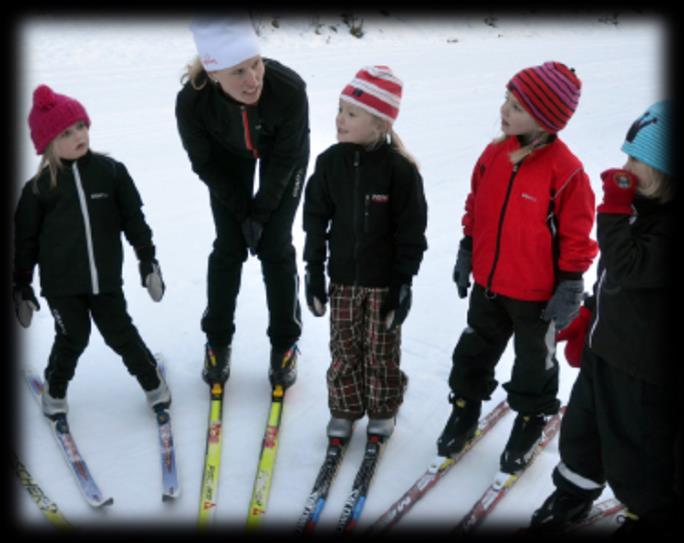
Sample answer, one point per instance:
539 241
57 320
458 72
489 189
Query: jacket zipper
597 314
248 136
357 218
88 231
497 249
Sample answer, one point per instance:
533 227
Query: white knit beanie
224 43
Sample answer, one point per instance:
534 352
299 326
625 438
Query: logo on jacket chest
99 195
379 198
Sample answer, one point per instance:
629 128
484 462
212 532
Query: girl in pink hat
365 214
526 243
68 222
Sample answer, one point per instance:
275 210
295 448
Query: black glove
25 303
395 307
251 231
565 302
150 272
314 282
462 269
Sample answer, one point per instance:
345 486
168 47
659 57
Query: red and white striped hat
377 90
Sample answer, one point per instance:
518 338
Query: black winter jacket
214 128
632 326
73 232
369 208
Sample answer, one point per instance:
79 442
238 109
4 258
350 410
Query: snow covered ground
126 72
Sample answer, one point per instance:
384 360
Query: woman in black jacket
69 221
237 108
365 213
622 418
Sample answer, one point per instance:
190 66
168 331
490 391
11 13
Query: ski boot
525 435
560 510
283 369
53 405
461 426
160 396
216 364
381 427
340 428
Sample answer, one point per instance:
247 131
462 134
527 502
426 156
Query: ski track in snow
454 71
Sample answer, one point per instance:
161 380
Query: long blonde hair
519 154
52 162
195 74
387 133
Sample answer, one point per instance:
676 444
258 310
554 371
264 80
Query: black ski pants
622 430
492 320
278 265
72 316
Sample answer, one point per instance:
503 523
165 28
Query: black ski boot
216 364
461 426
283 369
558 511
525 435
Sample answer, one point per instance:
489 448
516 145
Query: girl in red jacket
526 242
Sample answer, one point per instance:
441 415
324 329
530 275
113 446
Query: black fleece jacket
368 208
215 128
632 327
73 231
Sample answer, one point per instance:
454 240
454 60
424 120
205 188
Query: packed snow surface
127 71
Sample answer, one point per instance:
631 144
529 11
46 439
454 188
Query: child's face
243 82
73 143
643 173
515 121
356 125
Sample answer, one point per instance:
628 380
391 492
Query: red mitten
619 187
575 333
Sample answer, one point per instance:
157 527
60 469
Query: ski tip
104 503
170 496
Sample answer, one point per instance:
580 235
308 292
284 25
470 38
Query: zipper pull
356 159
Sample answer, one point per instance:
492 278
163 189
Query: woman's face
243 82
515 121
73 143
356 125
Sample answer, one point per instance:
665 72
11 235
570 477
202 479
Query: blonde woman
237 109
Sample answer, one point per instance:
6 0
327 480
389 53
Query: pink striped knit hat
377 90
549 93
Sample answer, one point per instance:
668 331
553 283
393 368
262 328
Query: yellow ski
267 458
45 504
212 458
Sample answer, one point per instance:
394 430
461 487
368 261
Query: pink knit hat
549 93
377 90
51 115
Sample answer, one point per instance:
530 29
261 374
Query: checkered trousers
364 375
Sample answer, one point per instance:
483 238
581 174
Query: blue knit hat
649 139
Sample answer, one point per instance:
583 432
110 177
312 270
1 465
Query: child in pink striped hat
365 204
526 242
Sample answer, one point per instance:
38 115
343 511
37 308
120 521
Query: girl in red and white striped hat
365 204
527 242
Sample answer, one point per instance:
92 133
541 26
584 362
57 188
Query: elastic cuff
145 252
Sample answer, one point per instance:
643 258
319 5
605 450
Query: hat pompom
44 98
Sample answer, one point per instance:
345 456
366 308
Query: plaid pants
364 375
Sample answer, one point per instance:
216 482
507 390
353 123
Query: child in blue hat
622 420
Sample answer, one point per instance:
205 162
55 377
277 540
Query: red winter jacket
529 221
